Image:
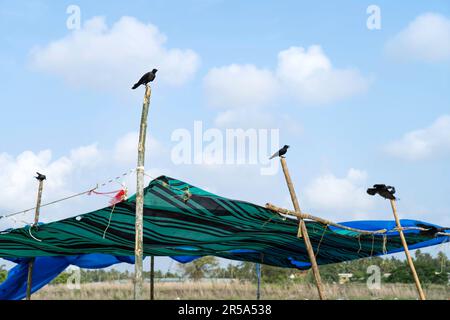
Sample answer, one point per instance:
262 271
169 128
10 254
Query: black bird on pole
40 177
146 78
383 190
280 153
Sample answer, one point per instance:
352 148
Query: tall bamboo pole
152 278
408 255
139 244
41 179
303 232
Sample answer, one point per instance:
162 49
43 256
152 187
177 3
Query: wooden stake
41 179
152 278
303 232
139 242
408 255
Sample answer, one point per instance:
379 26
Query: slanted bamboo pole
139 242
408 255
328 222
41 179
303 232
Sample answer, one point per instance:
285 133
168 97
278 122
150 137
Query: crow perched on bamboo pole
146 78
383 190
280 153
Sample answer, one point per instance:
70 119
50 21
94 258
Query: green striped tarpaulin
182 220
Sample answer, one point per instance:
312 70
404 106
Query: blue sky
387 121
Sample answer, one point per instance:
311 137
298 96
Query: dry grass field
237 290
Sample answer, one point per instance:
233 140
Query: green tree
200 268
3 273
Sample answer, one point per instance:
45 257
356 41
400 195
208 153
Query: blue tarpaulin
48 268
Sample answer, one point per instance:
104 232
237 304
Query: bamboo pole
152 278
139 242
408 255
41 179
328 222
303 232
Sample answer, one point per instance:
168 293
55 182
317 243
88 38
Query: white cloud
309 76
17 175
80 170
86 156
423 143
257 119
335 195
115 57
426 38
238 86
306 75
125 150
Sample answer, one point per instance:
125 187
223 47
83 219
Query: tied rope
360 245
119 197
87 192
187 195
109 221
384 244
321 239
373 244
31 235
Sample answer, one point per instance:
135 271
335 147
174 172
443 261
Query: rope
360 246
299 230
445 234
264 224
87 192
29 231
384 244
321 239
373 244
45 205
186 191
166 185
109 221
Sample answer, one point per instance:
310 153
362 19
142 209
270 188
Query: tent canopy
183 220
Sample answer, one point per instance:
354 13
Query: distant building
344 277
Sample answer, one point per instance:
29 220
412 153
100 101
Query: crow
40 177
146 78
280 153
386 192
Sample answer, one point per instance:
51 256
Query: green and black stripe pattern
183 220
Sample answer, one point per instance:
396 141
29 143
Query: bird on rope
146 79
